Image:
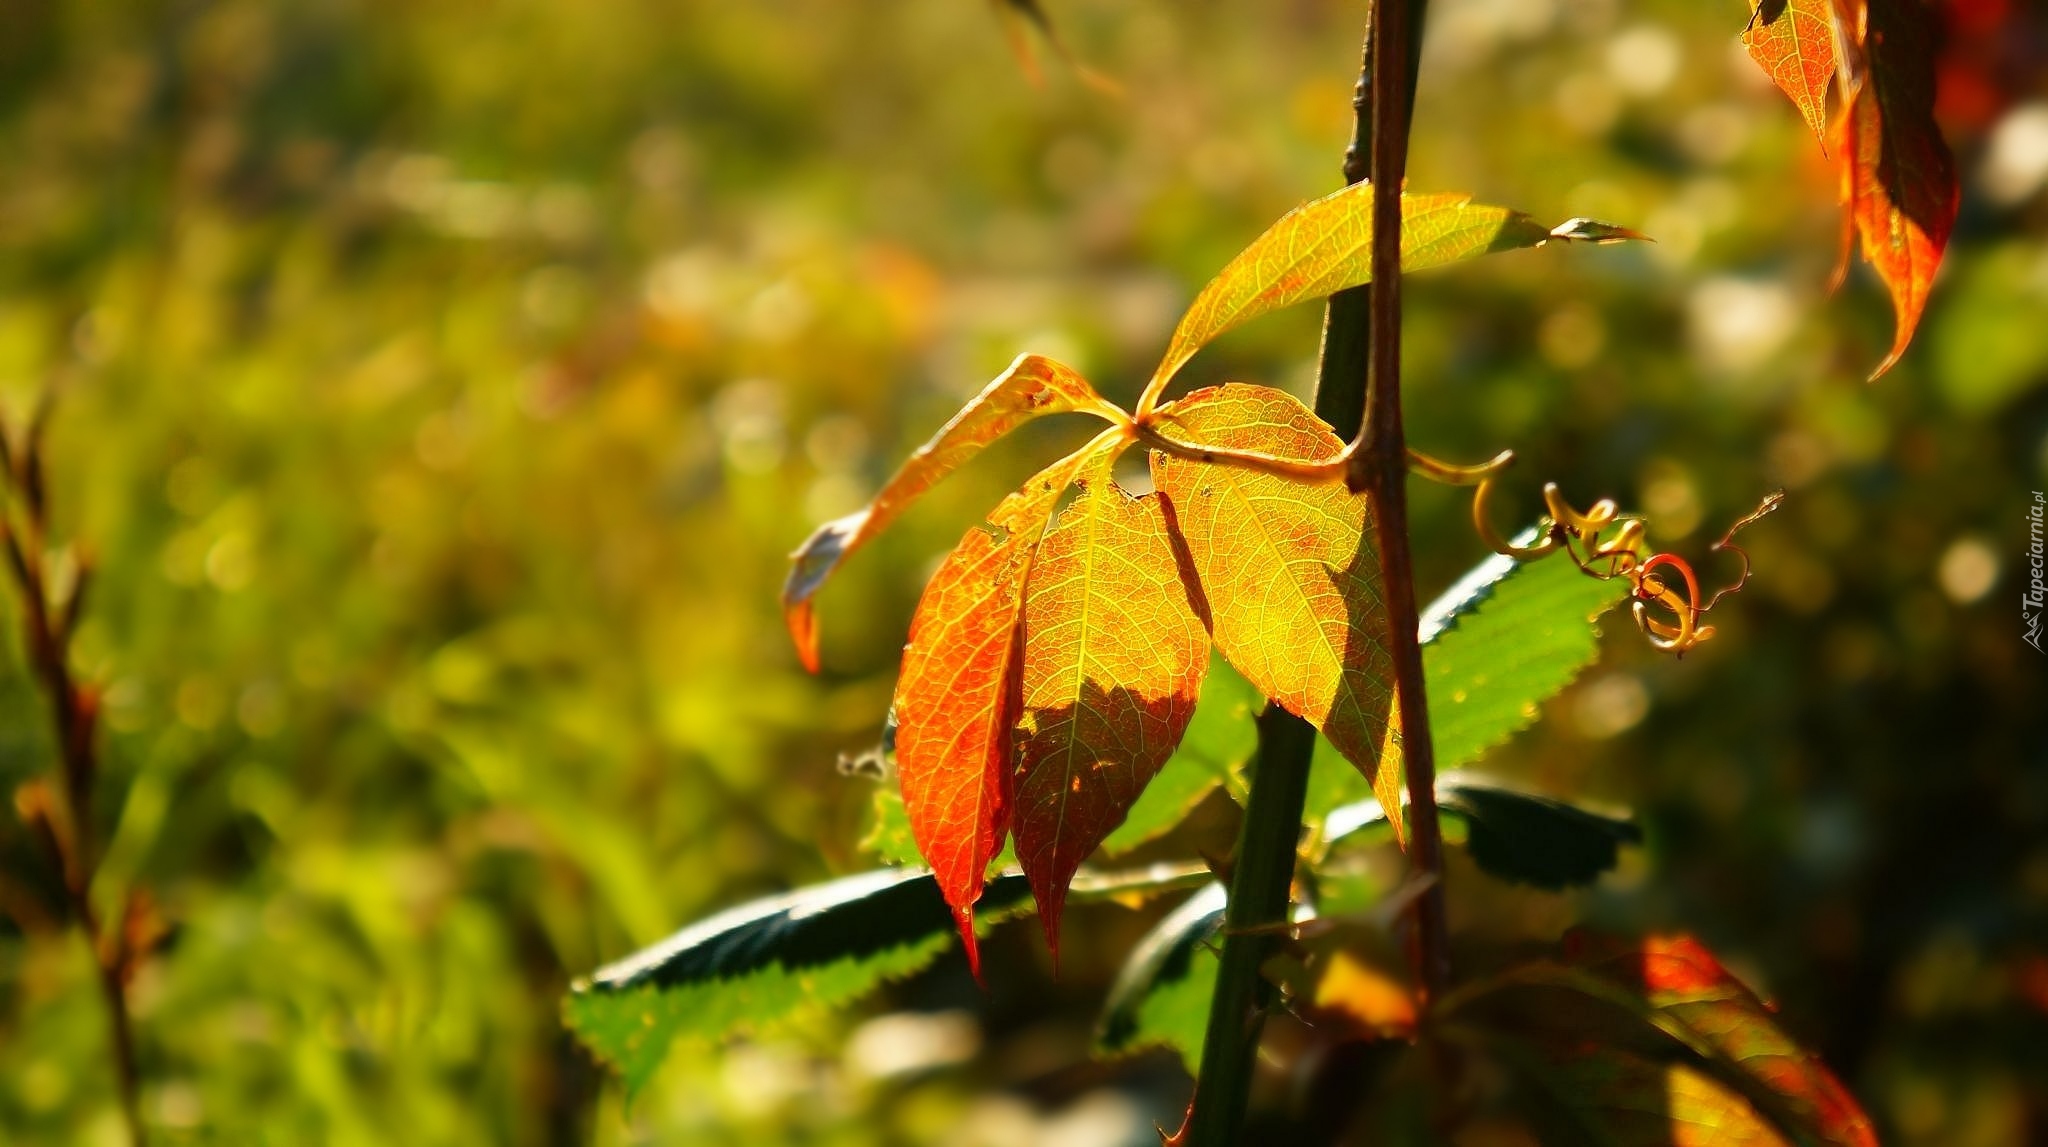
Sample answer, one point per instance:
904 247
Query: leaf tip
963 917
803 630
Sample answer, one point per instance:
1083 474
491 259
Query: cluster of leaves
1898 180
1053 667
1499 642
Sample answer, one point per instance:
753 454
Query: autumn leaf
1033 385
1289 570
957 695
1898 180
1325 246
1793 41
1114 654
1680 978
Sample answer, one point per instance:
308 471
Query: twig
66 833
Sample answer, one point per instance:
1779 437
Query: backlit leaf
1502 640
956 698
1898 179
1033 385
1793 41
757 965
1678 976
1325 246
1646 1042
1221 738
1113 660
1289 570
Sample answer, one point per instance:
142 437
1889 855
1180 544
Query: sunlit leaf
1113 659
1033 385
757 965
1502 640
1683 980
1325 245
956 697
1218 742
1793 41
1289 570
1898 179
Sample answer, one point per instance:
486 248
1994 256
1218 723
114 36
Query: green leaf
1531 839
1503 639
888 838
760 964
1161 998
1213 751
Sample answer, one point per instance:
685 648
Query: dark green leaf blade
1530 839
756 965
1161 998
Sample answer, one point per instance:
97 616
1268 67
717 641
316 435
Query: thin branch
47 627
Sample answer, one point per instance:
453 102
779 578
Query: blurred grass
441 385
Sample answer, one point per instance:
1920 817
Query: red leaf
1898 179
957 696
1114 656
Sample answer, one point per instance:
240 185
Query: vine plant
1061 659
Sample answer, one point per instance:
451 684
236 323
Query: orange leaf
1794 42
1290 570
1365 996
1033 385
1114 655
1898 179
1678 976
956 699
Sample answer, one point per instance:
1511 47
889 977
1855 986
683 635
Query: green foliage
1161 998
1503 639
1531 839
754 967
441 390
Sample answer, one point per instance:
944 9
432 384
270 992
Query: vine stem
67 835
1359 369
1380 468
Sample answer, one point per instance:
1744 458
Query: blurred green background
441 385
